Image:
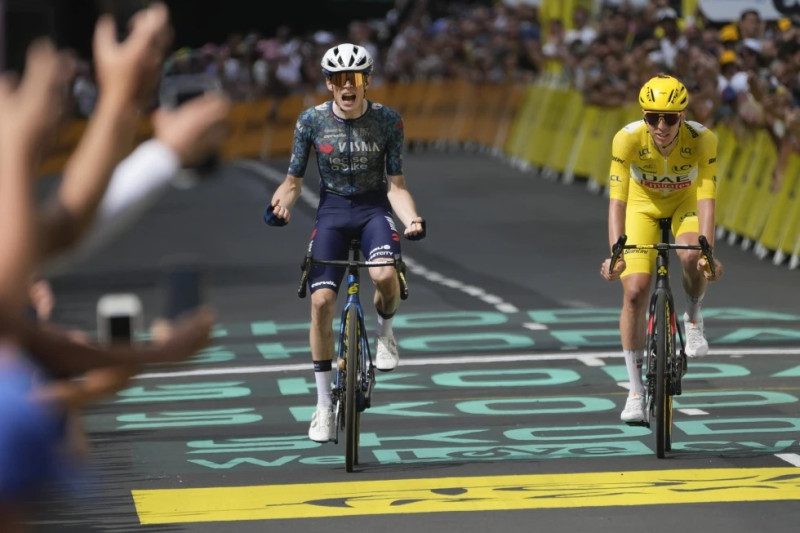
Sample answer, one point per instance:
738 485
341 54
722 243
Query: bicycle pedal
641 423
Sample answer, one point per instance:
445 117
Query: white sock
384 326
324 389
633 362
693 306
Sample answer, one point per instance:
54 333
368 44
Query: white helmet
346 57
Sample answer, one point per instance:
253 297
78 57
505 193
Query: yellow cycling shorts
641 226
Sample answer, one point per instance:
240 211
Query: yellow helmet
663 93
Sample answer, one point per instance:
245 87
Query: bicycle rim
351 416
663 398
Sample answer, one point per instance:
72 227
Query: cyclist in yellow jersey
662 166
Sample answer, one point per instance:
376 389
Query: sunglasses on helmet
340 78
670 119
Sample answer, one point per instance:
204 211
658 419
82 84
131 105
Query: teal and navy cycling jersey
354 156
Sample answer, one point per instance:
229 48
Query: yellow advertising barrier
564 138
790 238
731 184
548 125
279 129
744 181
761 198
521 129
583 157
513 100
726 151
776 226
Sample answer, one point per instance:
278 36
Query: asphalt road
504 412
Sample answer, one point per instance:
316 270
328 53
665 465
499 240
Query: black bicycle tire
662 328
351 418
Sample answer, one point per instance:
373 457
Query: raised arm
127 75
28 114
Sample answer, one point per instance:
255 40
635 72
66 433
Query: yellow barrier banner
569 124
777 224
548 124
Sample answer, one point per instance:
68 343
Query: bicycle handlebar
706 250
309 261
272 220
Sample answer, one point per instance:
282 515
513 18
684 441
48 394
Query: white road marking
693 412
791 458
456 359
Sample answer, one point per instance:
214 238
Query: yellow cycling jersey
638 168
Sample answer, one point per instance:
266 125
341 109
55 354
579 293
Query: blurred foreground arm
127 75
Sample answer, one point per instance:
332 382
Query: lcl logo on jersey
686 152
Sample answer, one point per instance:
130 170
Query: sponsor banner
729 10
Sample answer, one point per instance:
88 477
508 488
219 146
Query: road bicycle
354 378
665 365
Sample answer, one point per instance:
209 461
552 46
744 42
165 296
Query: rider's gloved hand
416 229
276 215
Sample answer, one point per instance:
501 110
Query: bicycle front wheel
664 346
352 417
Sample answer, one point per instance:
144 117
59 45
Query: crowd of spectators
745 74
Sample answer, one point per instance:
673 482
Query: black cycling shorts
341 219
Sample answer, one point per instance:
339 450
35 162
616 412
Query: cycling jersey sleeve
707 167
620 172
301 147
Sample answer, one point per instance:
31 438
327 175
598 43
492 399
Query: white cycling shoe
322 426
386 356
696 343
634 412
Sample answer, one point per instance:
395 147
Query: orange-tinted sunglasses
340 78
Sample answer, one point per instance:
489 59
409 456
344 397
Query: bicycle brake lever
616 250
706 251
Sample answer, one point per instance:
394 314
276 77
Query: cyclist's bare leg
636 291
694 282
386 300
387 289
323 307
320 336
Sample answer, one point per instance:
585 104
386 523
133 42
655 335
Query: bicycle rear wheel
664 345
352 417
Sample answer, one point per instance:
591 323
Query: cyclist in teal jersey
359 150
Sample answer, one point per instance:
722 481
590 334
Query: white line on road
693 412
791 458
461 360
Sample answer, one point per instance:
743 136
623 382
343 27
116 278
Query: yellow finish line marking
437 495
